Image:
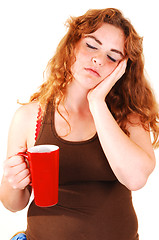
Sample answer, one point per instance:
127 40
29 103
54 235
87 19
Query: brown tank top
93 204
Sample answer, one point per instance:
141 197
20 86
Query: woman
97 106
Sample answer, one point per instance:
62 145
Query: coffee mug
44 168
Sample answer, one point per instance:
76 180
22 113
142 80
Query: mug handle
23 154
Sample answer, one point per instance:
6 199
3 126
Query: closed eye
90 46
112 59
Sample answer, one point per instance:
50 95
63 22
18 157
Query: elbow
11 210
139 180
136 184
8 207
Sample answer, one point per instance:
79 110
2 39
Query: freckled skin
90 54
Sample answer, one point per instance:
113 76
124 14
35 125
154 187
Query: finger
23 183
21 175
120 69
21 180
12 167
12 171
116 74
19 149
14 161
123 66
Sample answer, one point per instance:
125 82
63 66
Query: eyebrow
93 37
117 51
99 42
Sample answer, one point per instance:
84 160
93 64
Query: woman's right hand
16 172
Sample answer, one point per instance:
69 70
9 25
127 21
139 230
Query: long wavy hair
132 94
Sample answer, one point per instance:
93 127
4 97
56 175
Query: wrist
96 105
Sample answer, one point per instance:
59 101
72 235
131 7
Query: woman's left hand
104 87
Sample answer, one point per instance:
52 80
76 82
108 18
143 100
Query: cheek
80 61
76 68
83 55
109 68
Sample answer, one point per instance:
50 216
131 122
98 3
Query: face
97 55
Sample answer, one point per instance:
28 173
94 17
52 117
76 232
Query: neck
76 98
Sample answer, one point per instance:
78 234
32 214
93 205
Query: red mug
44 168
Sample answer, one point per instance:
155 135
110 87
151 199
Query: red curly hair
132 94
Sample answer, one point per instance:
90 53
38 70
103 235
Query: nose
98 60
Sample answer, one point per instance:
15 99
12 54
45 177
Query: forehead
108 34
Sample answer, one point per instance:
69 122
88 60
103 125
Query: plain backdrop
29 33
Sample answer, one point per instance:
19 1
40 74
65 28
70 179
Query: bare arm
14 189
132 159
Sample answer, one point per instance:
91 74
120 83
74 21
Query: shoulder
23 124
25 114
27 110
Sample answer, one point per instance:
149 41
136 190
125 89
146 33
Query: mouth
92 72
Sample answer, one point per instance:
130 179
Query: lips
93 72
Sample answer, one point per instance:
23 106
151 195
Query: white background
29 33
